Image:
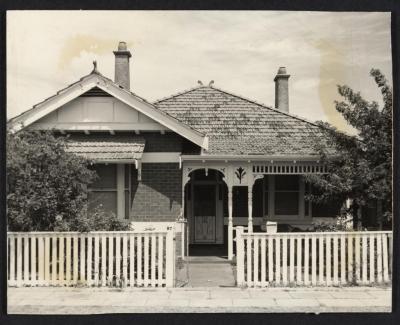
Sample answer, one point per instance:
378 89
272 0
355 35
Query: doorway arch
205 195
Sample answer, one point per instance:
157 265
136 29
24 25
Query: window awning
108 149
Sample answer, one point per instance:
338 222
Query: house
204 158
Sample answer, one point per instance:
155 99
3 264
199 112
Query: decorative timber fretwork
290 168
240 173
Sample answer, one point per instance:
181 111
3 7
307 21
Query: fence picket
139 260
364 259
291 260
75 260
153 260
240 256
160 260
263 261
96 260
53 262
118 257
26 259
385 259
306 261
11 254
371 258
110 269
61 273
328 262
335 260
132 260
299 260
125 258
357 249
82 263
146 260
313 261
41 260
379 257
350 258
33 261
47 259
284 260
68 260
321 264
19 261
277 260
103 260
342 259
249 261
255 261
89 257
270 259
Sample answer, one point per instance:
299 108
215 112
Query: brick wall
158 196
156 142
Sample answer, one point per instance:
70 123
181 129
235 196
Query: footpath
62 300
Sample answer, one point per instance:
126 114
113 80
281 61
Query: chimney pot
282 90
122 46
122 56
282 70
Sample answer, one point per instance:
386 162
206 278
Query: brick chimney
122 76
282 90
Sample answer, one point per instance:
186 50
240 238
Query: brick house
205 159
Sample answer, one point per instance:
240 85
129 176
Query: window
286 195
127 190
103 191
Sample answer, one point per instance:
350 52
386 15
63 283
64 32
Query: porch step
208 260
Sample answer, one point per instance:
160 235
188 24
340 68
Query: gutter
248 158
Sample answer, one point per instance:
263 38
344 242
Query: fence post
11 254
239 256
169 260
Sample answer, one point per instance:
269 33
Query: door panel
204 229
204 212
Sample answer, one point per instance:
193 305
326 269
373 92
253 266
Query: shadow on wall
158 195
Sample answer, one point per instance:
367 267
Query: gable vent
95 92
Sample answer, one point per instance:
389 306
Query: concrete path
210 271
58 300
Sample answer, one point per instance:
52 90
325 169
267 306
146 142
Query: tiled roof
239 126
111 148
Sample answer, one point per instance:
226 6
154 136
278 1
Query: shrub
46 186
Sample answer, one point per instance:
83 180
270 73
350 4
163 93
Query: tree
47 186
360 166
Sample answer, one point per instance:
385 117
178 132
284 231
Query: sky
171 50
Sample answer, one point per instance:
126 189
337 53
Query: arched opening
205 209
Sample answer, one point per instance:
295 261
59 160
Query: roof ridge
179 93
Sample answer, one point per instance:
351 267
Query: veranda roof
107 149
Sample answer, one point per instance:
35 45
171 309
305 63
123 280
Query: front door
204 213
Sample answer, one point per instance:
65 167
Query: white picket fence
122 258
313 259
